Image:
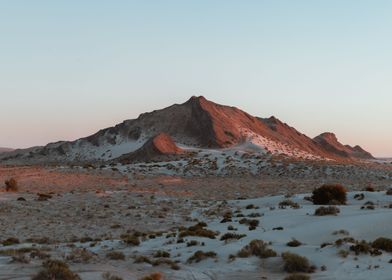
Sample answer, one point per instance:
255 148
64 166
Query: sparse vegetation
130 239
294 243
231 236
11 185
198 256
297 277
325 211
55 269
288 203
330 195
257 248
153 276
383 243
115 255
10 241
109 276
295 263
198 230
253 224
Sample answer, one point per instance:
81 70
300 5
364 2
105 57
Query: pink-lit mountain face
197 123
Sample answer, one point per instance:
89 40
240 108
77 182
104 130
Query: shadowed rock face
330 143
159 147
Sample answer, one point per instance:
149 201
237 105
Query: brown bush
11 185
198 230
296 276
295 263
54 269
115 255
294 243
200 255
256 248
330 195
324 211
153 276
383 243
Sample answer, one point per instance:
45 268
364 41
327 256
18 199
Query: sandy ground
103 205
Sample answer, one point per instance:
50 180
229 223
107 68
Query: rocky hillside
197 123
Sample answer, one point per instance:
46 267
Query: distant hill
3 150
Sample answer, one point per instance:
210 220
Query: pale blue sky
69 68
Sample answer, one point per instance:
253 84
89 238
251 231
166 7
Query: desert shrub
256 248
192 243
200 255
343 253
341 241
341 231
198 230
161 254
115 255
296 276
363 247
368 205
324 211
359 196
54 269
130 239
109 276
250 206
153 276
11 185
295 263
249 222
330 195
288 203
80 255
294 243
383 243
231 236
254 215
10 241
370 189
230 227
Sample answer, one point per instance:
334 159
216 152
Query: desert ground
90 218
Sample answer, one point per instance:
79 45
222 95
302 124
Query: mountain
330 143
197 123
158 148
5 150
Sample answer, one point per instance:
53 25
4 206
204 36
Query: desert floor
79 216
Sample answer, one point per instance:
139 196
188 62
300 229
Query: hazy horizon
69 69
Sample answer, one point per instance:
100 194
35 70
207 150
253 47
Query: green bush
330 195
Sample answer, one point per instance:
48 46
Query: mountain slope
197 123
5 150
331 144
159 148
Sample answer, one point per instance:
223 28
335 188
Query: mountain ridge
197 123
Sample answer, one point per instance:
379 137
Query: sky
70 68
